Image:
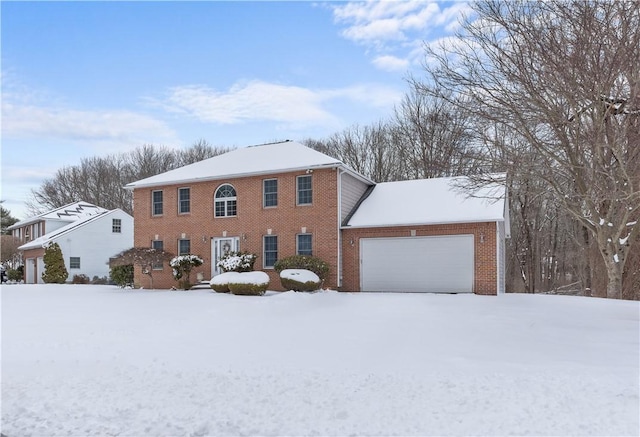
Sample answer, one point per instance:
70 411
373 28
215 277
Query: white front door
220 247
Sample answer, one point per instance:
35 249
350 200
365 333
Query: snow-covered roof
44 240
68 213
429 201
246 161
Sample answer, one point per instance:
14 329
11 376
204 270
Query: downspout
339 247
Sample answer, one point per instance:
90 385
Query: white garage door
417 264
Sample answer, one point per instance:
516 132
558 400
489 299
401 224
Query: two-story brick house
278 200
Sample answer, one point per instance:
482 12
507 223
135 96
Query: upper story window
270 192
304 189
225 202
156 202
304 245
116 226
184 200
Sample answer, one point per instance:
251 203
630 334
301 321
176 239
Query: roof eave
240 175
395 225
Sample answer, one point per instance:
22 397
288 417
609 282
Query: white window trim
264 193
180 201
264 251
298 189
225 200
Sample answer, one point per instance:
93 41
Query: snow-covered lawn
97 360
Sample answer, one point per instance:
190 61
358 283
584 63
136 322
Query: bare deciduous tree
101 180
563 77
145 258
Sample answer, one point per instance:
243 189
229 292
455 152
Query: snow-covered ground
82 360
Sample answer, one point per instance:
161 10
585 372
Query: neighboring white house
87 235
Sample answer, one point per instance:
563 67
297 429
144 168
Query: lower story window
157 245
184 247
304 244
74 262
270 250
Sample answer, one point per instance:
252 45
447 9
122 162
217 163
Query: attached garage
426 236
439 264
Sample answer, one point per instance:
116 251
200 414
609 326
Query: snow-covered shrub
249 284
182 266
299 280
237 262
55 271
220 283
306 262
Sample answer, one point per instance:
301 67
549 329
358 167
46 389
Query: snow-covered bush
249 284
220 283
306 262
237 262
182 266
300 280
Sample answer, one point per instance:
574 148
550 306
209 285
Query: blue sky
82 79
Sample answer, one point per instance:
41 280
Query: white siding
94 243
352 191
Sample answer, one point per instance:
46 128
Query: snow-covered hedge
220 283
306 262
249 284
300 280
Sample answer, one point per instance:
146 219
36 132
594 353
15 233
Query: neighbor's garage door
417 264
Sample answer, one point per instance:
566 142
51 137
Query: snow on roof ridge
277 157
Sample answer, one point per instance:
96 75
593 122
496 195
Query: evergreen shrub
55 271
305 262
300 280
122 275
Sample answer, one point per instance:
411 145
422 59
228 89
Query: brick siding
251 223
485 274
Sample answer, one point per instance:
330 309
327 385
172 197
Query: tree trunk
614 283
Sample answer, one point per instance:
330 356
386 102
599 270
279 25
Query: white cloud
27 121
391 63
393 29
256 101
